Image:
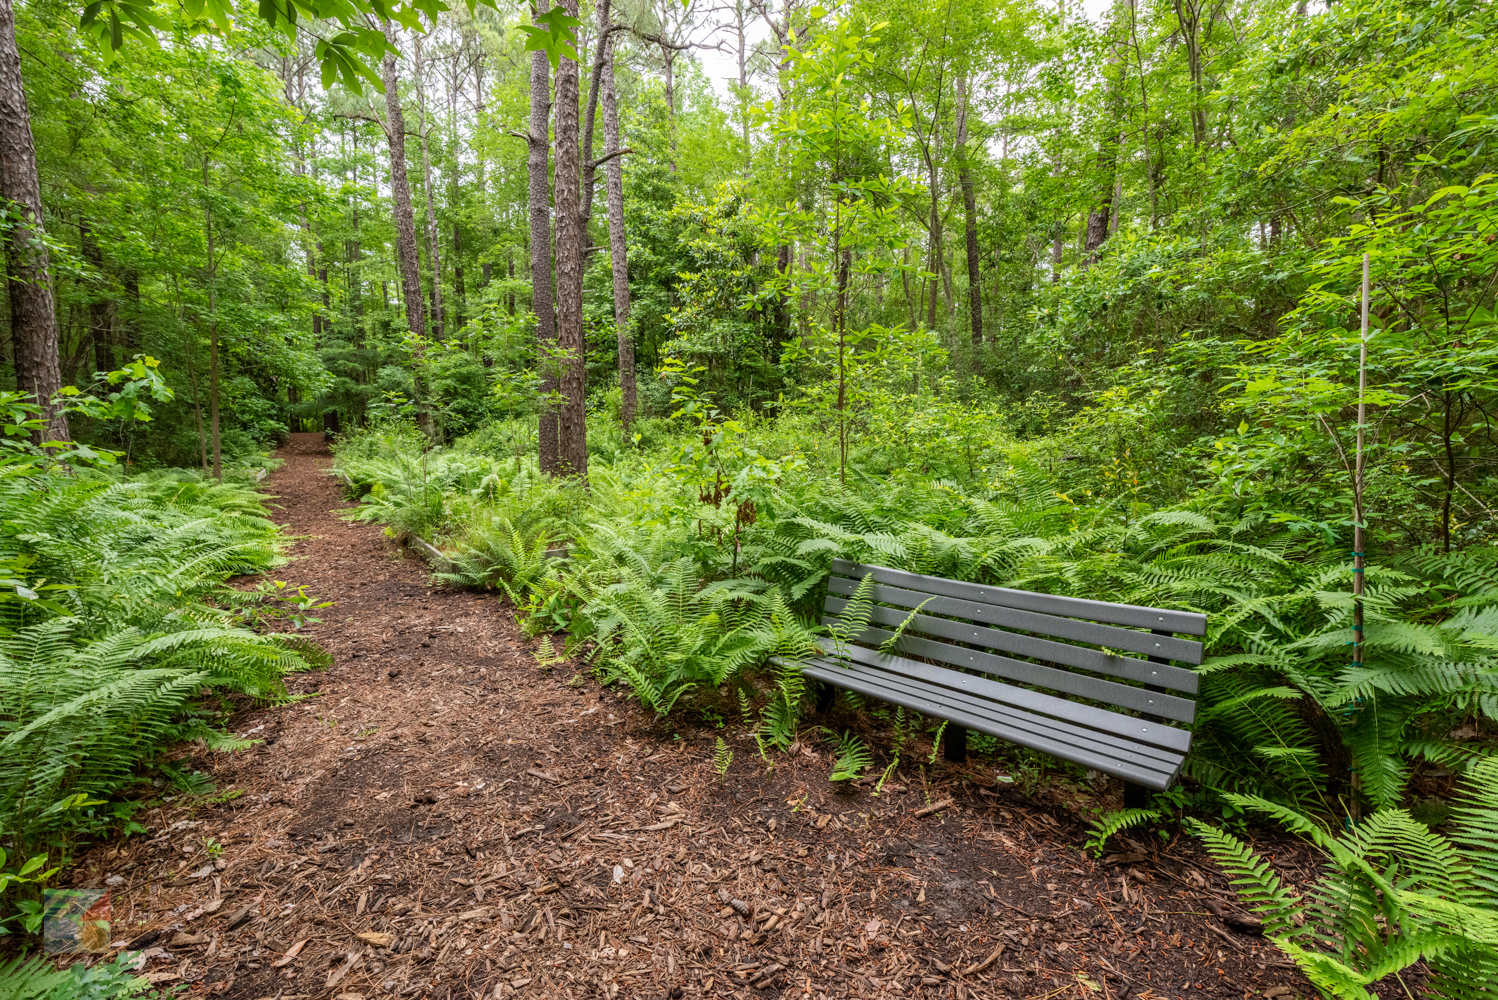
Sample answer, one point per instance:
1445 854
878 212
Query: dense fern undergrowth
119 638
689 560
678 592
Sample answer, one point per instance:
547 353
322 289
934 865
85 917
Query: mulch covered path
445 819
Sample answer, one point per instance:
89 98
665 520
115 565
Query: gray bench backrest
1033 626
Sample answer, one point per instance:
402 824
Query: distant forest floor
447 819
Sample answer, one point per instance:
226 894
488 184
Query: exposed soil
447 819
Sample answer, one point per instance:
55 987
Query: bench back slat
1064 681
1127 668
1105 724
1166 647
1157 619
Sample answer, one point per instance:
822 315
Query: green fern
1393 893
722 757
86 695
853 758
1105 826
38 979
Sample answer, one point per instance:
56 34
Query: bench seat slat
1064 681
1109 744
1059 709
1162 619
1128 668
1164 646
1018 729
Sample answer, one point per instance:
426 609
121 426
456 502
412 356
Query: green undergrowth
660 578
692 560
119 638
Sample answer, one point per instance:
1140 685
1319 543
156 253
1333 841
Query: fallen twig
934 807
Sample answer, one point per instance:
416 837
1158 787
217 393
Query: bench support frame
954 743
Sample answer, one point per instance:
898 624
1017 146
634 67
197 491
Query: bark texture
618 245
590 114
573 442
433 251
33 320
400 193
539 198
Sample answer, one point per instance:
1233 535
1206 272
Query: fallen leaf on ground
291 953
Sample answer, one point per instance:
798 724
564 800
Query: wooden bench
1069 686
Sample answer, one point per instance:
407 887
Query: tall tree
538 197
570 342
33 321
433 250
618 246
400 196
970 217
1099 219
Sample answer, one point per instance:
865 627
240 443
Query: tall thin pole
1359 553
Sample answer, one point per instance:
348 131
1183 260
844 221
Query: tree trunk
98 304
739 12
539 198
1189 17
970 210
1100 219
400 196
426 184
936 247
595 80
618 246
433 251
574 444
197 409
459 292
33 321
322 278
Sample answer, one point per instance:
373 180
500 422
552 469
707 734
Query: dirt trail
444 819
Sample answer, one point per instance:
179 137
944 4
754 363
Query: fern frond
1105 826
1256 883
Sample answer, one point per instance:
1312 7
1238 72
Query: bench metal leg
825 693
1136 796
955 744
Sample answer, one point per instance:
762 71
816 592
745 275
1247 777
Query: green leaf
555 35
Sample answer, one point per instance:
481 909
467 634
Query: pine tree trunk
33 321
426 182
538 196
970 210
426 186
618 245
400 196
574 444
595 80
459 291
